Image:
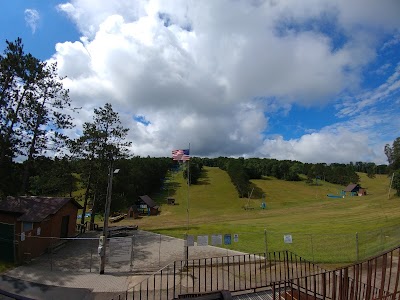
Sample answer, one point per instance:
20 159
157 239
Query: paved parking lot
76 264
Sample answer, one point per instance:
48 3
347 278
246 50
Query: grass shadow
257 191
203 179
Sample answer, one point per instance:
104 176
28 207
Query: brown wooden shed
28 222
147 206
355 190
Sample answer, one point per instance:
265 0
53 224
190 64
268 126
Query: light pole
103 238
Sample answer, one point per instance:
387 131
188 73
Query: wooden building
355 190
147 206
28 222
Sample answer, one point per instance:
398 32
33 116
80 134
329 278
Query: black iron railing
246 272
281 275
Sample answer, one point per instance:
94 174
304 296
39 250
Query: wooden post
357 253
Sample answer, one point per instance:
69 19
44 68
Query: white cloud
383 93
32 18
327 147
211 72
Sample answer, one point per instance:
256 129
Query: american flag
181 154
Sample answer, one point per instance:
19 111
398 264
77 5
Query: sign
189 240
287 239
216 239
236 238
202 240
22 236
38 230
227 239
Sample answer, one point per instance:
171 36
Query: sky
311 80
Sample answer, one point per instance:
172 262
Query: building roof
34 208
351 187
150 202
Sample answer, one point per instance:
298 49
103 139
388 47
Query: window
26 226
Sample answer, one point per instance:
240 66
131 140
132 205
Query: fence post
51 254
159 252
91 255
266 242
357 253
312 247
186 249
132 242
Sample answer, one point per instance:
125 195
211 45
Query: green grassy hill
291 206
323 229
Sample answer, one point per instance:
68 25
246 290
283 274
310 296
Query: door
6 242
64 226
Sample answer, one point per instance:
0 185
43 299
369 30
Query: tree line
241 171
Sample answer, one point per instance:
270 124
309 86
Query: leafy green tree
195 169
396 182
19 73
239 178
370 169
32 109
393 155
102 142
52 177
46 118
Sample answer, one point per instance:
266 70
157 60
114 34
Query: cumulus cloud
213 72
32 18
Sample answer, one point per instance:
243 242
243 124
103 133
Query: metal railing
282 275
235 273
376 278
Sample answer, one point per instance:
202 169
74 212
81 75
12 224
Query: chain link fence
143 252
318 248
136 252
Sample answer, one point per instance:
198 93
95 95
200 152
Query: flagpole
187 209
188 184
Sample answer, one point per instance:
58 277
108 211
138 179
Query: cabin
147 206
26 221
355 190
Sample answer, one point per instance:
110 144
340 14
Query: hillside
324 229
291 206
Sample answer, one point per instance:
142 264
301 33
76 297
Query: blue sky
41 35
308 81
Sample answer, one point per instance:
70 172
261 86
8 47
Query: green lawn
323 229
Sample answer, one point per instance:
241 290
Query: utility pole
103 238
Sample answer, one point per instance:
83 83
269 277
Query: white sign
189 240
22 236
38 230
236 238
287 239
216 239
202 240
